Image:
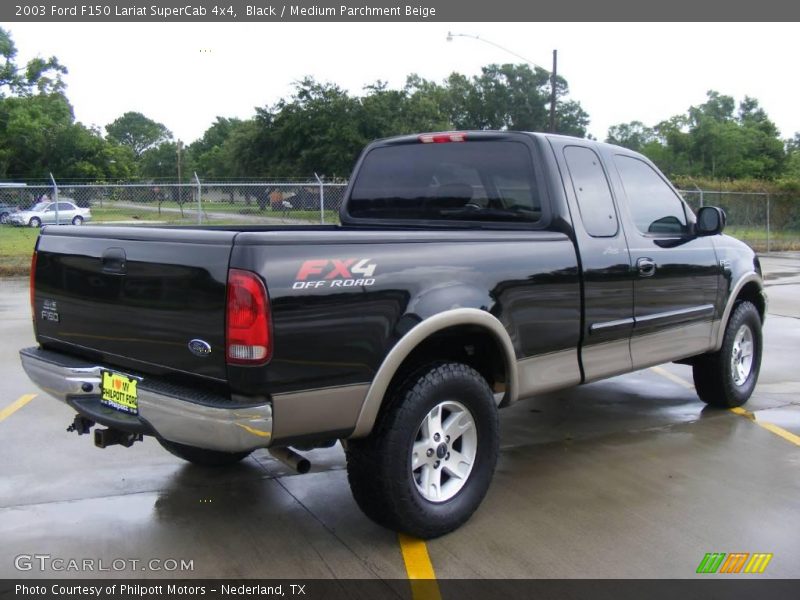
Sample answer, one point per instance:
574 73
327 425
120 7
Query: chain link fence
767 222
213 203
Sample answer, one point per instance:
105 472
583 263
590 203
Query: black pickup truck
470 270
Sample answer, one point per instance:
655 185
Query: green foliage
504 97
137 132
161 162
321 128
38 132
38 136
711 140
210 155
40 75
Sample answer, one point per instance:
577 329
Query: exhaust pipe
103 438
291 459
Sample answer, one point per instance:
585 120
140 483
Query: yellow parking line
779 431
673 378
14 407
419 568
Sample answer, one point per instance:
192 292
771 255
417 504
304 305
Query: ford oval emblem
200 348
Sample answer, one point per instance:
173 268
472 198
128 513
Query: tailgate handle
114 261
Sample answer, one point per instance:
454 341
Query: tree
40 75
161 162
511 97
316 130
712 139
137 132
38 136
211 154
386 112
634 135
793 157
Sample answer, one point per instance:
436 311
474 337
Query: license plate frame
119 391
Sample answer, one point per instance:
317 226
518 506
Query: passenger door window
654 207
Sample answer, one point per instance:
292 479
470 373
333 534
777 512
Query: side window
592 191
655 208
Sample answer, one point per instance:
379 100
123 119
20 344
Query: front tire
35 222
727 378
427 465
202 456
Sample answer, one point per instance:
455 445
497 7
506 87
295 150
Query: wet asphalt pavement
630 477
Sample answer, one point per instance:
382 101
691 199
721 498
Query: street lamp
451 35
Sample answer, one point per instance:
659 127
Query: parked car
5 211
44 213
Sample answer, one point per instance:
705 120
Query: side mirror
710 220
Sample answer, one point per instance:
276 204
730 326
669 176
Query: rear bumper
167 415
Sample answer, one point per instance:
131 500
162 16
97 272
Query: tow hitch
103 438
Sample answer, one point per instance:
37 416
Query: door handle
646 266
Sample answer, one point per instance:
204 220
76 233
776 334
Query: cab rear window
460 181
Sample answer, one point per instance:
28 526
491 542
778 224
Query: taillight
33 284
248 339
442 138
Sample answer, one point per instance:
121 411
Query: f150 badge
50 311
335 272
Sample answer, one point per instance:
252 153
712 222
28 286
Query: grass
16 248
756 238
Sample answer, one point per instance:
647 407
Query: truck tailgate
135 297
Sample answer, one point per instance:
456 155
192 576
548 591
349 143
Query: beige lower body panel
547 372
606 359
322 410
671 344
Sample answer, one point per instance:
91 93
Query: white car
44 213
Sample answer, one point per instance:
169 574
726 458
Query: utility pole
180 189
553 93
180 147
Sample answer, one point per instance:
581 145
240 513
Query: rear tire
77 220
727 378
202 456
427 464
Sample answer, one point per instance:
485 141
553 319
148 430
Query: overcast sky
185 74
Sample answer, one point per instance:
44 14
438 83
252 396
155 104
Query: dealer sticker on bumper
119 392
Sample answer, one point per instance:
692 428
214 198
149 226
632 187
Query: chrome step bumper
177 419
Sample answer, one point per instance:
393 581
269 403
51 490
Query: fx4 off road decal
335 272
